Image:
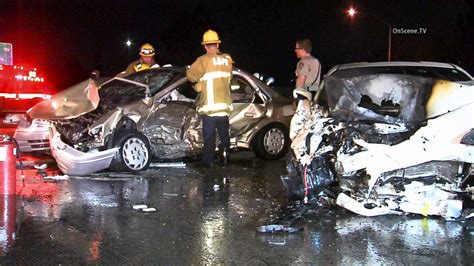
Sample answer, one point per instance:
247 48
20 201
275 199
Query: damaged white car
382 139
124 123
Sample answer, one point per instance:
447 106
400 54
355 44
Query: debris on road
171 165
274 228
144 208
57 177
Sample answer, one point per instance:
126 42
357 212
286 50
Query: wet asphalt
208 217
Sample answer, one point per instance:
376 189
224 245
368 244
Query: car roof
397 63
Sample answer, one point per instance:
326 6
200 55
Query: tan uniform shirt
212 72
311 68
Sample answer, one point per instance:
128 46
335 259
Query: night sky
69 39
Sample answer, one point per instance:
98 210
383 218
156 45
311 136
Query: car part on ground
389 143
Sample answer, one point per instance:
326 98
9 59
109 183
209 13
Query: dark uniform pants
209 126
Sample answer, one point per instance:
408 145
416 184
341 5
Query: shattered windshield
450 74
156 79
382 98
117 93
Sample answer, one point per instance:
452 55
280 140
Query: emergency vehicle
21 87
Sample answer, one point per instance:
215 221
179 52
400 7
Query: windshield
382 98
118 92
156 79
450 74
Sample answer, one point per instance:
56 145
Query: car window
183 93
361 71
437 72
187 90
450 74
242 91
422 71
155 79
118 92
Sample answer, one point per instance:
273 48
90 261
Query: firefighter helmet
210 36
147 50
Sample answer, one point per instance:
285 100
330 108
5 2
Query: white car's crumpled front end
73 162
404 168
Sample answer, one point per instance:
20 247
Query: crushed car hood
70 103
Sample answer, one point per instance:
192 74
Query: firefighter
146 61
212 73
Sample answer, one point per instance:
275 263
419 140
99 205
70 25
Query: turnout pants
211 124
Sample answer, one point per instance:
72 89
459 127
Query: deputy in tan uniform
212 73
308 71
146 61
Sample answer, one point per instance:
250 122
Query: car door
173 125
249 107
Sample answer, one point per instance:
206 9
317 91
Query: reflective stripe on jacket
212 72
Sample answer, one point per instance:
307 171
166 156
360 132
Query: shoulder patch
300 65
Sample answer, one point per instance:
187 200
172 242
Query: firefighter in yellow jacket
212 73
146 61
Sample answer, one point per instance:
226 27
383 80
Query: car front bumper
73 162
33 137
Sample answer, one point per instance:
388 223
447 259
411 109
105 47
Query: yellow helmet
210 36
147 50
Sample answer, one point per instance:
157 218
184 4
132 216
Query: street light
351 12
128 45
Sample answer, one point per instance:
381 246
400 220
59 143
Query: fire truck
21 87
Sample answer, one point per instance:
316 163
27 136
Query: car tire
271 142
134 152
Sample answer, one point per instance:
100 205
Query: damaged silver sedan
124 123
386 144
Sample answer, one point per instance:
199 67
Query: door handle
249 114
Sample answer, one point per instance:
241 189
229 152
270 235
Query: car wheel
271 142
134 152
